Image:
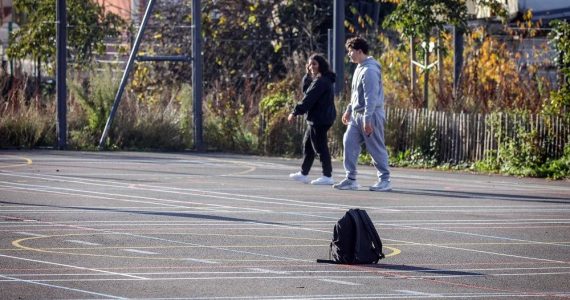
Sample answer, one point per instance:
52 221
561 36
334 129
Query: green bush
280 137
95 98
558 168
522 155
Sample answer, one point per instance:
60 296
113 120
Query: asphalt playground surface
124 225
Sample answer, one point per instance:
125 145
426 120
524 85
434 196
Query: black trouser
315 142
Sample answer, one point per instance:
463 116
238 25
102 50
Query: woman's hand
291 118
345 118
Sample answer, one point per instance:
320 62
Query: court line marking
26 163
456 248
193 191
469 234
71 266
60 287
260 270
340 282
19 244
240 224
480 235
83 242
286 200
186 191
494 212
417 293
140 251
202 194
182 191
121 197
204 261
347 272
216 161
271 276
481 251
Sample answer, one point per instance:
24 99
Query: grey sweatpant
355 136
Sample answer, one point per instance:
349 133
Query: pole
10 29
426 76
426 70
61 70
413 73
457 58
197 73
330 45
338 41
125 77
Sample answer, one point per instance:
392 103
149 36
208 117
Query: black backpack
355 240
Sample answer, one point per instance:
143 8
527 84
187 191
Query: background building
130 10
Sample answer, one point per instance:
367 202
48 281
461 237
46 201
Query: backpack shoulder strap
372 232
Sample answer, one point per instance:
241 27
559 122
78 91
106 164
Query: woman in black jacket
318 105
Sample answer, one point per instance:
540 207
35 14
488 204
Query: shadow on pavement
155 213
412 269
482 196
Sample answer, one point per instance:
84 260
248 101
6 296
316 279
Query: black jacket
318 100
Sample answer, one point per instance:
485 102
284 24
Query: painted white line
140 251
392 223
268 271
181 191
481 235
416 293
205 261
270 276
346 273
142 199
72 267
481 251
339 282
60 287
485 275
197 192
83 242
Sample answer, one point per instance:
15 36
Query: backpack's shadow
410 270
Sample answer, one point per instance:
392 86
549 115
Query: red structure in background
130 10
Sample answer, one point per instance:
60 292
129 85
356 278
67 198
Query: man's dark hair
357 43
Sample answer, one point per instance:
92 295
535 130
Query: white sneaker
323 180
381 186
346 184
299 177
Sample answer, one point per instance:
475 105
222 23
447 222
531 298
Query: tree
560 40
88 25
419 18
423 18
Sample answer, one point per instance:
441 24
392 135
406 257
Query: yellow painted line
26 162
395 251
19 245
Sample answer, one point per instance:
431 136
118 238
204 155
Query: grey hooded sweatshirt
367 90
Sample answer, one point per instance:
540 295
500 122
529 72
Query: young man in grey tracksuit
365 118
